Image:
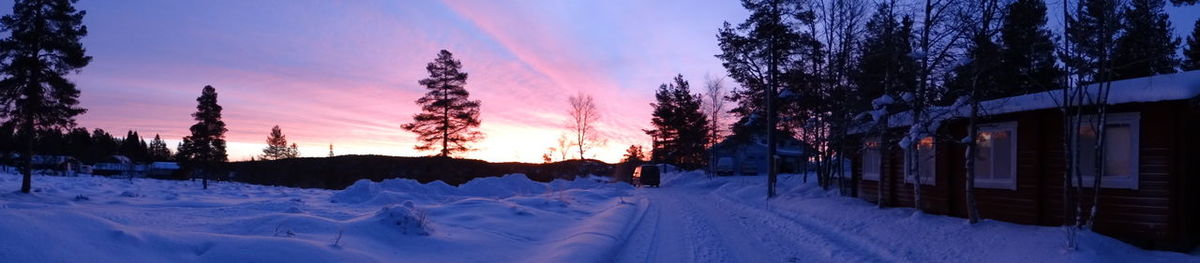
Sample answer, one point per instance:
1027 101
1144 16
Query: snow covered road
696 219
683 225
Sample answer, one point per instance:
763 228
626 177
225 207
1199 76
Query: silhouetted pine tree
1094 27
982 72
448 116
1191 53
206 145
773 51
79 140
770 48
1027 51
158 150
103 146
43 46
885 66
134 147
679 126
1148 45
633 154
277 146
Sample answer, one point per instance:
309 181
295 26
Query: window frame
1011 183
932 179
867 148
1133 119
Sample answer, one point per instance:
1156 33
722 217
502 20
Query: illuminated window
926 158
1120 150
871 159
996 156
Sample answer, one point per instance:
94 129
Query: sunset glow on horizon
345 72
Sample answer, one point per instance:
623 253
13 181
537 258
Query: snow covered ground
507 219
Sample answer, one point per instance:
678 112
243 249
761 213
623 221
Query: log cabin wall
1163 208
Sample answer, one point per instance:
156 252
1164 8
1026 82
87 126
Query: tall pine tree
1148 45
448 116
774 49
1027 51
1092 31
633 154
770 48
680 126
277 146
42 48
1191 53
885 66
158 150
134 148
206 146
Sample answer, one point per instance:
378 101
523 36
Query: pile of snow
404 218
503 219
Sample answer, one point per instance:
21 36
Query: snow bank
504 219
597 239
405 219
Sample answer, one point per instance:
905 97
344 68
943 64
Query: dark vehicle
647 175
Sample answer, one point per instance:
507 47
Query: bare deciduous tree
714 107
936 40
583 118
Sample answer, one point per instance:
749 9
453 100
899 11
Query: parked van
647 175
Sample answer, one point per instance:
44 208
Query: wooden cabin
1150 193
748 156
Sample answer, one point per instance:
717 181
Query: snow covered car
647 175
724 166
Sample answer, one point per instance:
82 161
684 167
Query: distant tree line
89 146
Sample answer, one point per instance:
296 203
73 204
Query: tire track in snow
693 226
638 246
672 233
839 245
713 244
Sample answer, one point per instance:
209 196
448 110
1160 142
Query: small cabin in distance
748 156
1150 191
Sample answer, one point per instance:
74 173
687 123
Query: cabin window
1120 150
926 158
871 159
996 156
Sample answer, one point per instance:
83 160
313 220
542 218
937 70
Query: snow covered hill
503 219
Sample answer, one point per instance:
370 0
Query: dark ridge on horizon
339 172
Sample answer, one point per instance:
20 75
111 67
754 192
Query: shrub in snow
82 198
405 218
282 230
337 240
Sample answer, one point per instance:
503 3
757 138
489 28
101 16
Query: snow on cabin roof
1166 87
165 165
